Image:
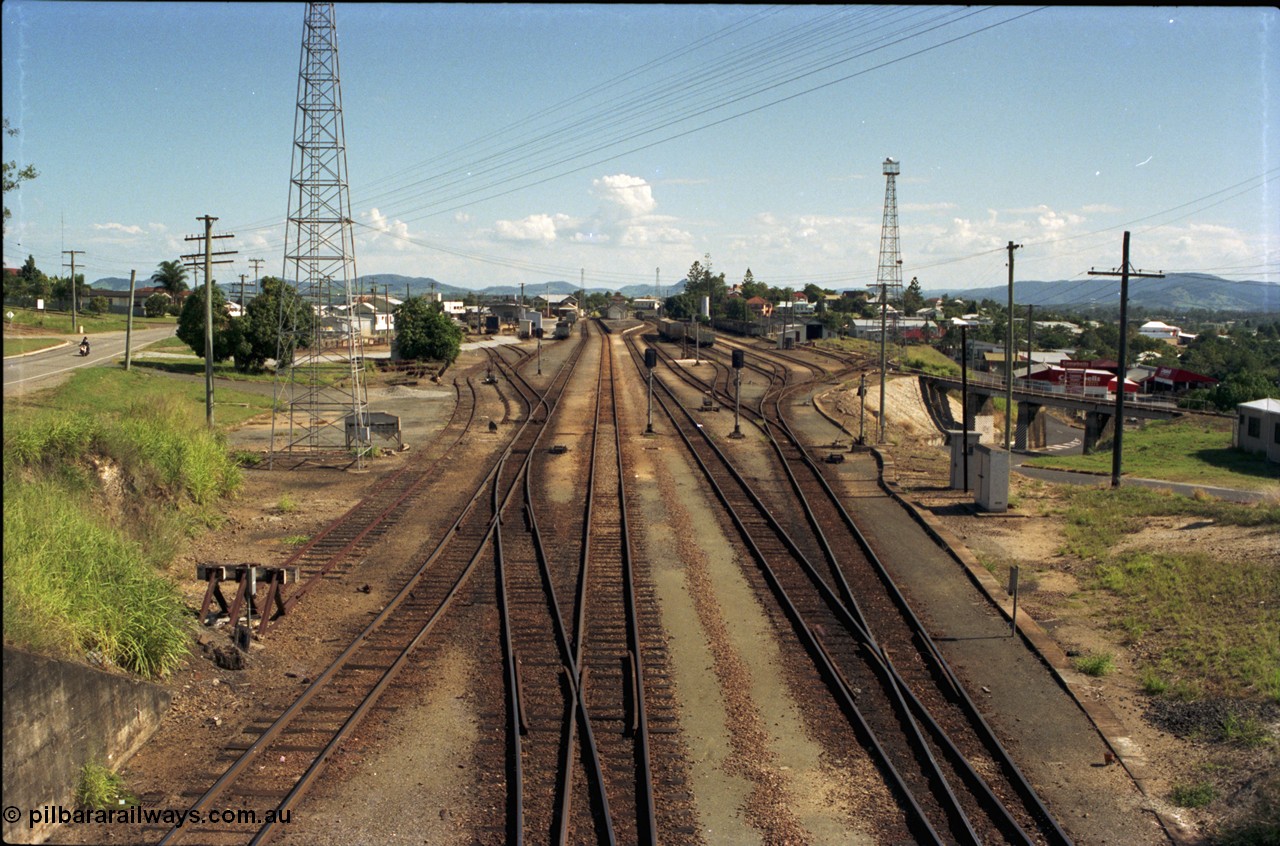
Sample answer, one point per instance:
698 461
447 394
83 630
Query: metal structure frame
321 387
889 273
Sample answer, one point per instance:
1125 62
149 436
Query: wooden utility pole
1125 274
73 253
1009 357
208 306
1030 329
884 337
242 293
128 325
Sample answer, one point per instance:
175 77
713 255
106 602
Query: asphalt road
44 369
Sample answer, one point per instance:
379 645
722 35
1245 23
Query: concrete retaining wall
58 716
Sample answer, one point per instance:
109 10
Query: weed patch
99 788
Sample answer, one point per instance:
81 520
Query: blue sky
618 144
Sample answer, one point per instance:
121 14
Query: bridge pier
1029 431
1095 423
978 400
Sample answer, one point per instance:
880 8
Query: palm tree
172 276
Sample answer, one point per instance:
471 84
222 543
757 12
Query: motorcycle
84 348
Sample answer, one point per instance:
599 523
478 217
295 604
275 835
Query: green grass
1097 665
104 478
99 788
106 391
286 505
18 346
1197 795
1205 623
60 321
169 345
1188 450
295 540
930 361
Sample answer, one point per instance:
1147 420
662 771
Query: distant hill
1176 292
397 286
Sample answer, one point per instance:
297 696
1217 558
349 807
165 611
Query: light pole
964 402
862 415
650 362
738 360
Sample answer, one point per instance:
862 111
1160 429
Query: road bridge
1031 400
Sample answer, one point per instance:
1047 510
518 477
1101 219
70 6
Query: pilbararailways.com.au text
51 814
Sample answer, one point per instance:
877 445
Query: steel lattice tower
889 274
320 386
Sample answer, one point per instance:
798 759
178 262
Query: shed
1257 428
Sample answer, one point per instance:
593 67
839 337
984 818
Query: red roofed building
1173 380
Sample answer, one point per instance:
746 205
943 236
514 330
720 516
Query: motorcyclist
84 346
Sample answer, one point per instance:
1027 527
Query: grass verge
1191 450
103 479
1204 623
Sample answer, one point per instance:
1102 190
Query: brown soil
1169 735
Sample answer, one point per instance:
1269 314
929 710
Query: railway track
855 625
579 635
280 758
332 551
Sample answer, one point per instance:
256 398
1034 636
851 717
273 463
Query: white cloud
535 227
398 229
626 215
623 197
120 228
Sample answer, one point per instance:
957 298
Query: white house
1164 332
1258 428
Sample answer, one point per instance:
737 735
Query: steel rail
919 819
412 488
272 732
1033 805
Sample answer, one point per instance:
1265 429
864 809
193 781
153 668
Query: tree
172 276
751 288
60 289
912 299
257 336
156 304
99 305
191 324
423 332
14 176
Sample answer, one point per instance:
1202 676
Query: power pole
242 293
208 239
1125 273
1008 356
73 253
1030 330
128 326
257 274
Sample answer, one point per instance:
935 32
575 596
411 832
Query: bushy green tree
258 335
99 305
191 324
424 332
156 304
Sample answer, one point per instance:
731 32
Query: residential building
1258 428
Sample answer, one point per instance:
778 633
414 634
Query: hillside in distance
1176 292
